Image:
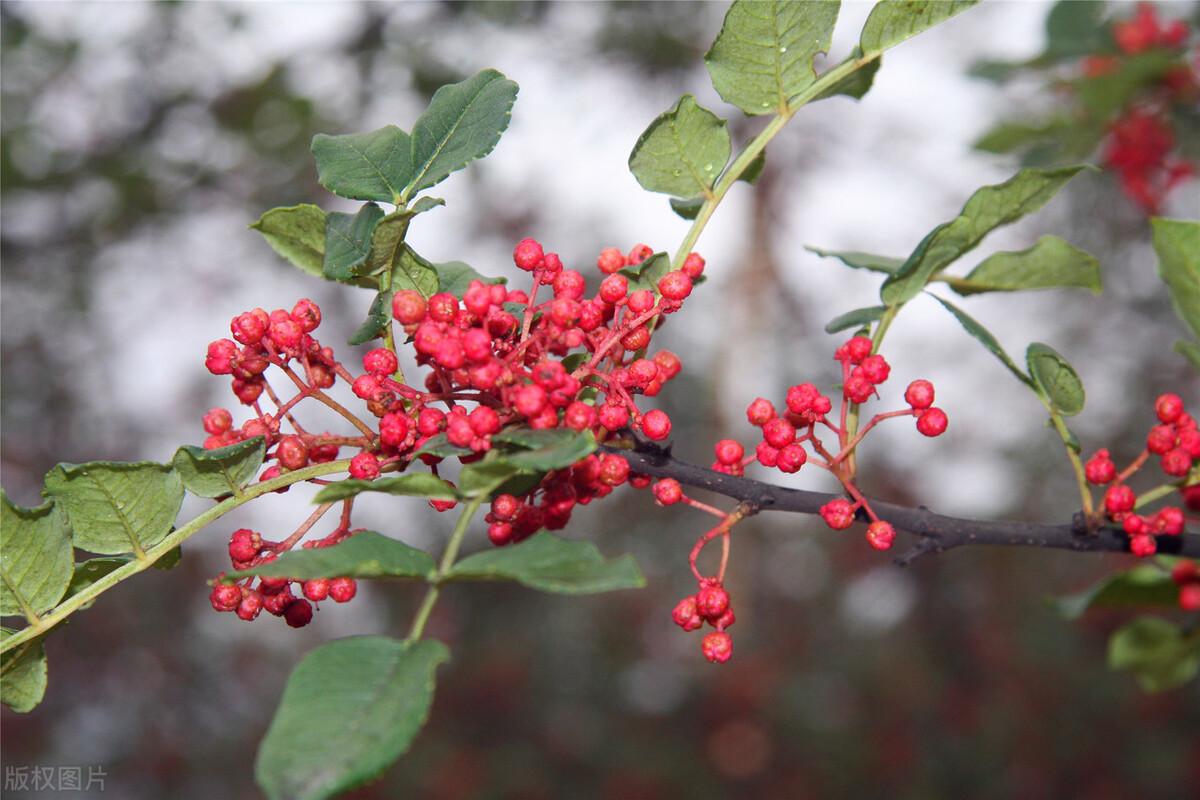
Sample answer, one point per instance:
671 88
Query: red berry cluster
710 604
1141 147
1186 575
785 436
495 358
1176 442
248 549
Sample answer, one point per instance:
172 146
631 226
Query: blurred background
140 140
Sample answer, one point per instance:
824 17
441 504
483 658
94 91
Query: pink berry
656 425
1168 407
791 458
528 254
693 266
408 307
919 394
932 422
686 615
675 285
838 514
880 535
364 467
225 597
711 602
342 590
668 491
760 412
717 647
611 260
729 452
380 361
217 421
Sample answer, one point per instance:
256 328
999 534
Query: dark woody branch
936 533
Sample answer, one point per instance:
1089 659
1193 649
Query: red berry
614 469
569 283
1189 597
316 589
1185 572
217 421
791 458
225 596
580 416
528 255
292 453
1191 496
693 266
500 533
858 389
613 417
1161 439
244 545
250 605
408 307
767 455
779 433
364 467
876 369
307 315
686 615
342 590
668 492
656 425
668 364
614 288
249 328
854 350
641 301
1169 520
1100 468
1119 499
919 394
220 356
760 411
298 614
729 452
639 253
611 259
717 647
838 514
932 422
1176 462
675 285
711 602
880 535
1142 545
1168 407
380 361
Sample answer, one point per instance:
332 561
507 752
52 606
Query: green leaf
855 319
365 554
116 507
549 449
378 317
858 82
216 473
22 674
754 169
440 446
1105 95
423 204
365 166
485 477
763 56
857 260
986 338
35 558
1052 263
350 708
348 242
1190 351
417 484
893 21
1075 28
1156 652
1055 378
682 152
1140 586
1177 244
647 274
297 233
464 122
1010 137
550 564
387 240
987 209
415 273
455 276
93 569
688 209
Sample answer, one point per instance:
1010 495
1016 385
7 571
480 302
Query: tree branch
937 533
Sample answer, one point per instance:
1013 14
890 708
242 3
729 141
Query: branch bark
936 533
